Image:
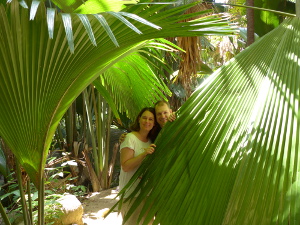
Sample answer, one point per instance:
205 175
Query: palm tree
250 23
47 60
232 156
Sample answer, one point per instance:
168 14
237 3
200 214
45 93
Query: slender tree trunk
250 23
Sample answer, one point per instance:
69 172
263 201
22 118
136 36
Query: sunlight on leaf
34 6
50 21
139 19
88 27
68 28
125 21
106 27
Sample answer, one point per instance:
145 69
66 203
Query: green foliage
78 190
52 207
49 58
267 21
91 6
238 160
55 74
52 194
238 13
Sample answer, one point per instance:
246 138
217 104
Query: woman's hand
150 149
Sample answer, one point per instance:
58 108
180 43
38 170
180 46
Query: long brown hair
136 125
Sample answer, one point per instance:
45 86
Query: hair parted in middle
136 125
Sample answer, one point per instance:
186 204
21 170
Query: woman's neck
142 135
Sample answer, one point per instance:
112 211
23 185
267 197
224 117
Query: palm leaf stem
69 120
22 196
98 111
106 153
88 105
41 202
106 95
29 200
4 215
101 106
262 9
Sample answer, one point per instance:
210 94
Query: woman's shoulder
131 134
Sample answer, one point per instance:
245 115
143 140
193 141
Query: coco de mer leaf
231 157
40 77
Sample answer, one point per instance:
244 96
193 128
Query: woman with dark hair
136 146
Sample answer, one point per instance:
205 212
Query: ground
96 206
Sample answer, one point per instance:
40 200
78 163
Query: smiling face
162 112
146 120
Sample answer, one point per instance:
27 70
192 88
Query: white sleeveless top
132 142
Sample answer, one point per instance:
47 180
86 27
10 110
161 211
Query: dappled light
231 156
97 205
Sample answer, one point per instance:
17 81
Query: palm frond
67 18
135 78
231 157
91 6
40 77
261 9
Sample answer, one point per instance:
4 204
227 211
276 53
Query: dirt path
96 206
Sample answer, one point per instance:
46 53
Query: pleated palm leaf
46 62
232 155
137 86
136 76
40 77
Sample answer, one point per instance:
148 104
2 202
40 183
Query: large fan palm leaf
232 157
40 77
136 80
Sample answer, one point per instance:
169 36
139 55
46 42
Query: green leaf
68 6
136 80
88 27
139 19
266 21
231 156
106 27
34 5
16 192
91 6
97 6
50 21
125 21
102 90
40 77
68 28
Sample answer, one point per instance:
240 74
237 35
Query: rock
71 211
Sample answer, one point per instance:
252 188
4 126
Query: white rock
72 211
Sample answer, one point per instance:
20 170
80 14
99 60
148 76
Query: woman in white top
136 146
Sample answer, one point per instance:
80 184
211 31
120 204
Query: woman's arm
129 162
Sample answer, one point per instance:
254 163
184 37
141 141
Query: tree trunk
250 23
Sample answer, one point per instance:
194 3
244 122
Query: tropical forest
75 75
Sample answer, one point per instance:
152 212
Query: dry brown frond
191 59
